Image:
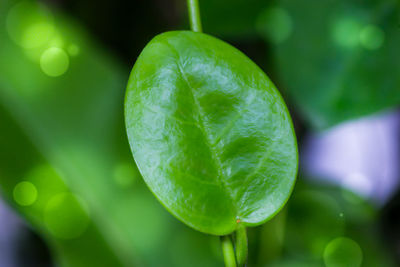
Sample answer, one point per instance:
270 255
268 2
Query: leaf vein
201 127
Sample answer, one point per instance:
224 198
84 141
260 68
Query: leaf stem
194 15
228 251
241 246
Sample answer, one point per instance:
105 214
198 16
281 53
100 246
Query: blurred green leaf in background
338 60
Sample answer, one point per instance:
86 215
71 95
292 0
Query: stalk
228 251
241 246
194 15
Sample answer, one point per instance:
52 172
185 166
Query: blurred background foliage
72 195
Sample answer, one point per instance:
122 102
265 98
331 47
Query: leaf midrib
202 128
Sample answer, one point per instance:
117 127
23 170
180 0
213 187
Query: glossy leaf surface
210 133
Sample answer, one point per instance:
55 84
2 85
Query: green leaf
340 59
209 132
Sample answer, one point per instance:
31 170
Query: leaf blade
234 112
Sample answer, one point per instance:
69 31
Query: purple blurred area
19 246
10 229
362 156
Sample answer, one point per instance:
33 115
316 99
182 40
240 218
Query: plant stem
228 251
241 246
194 15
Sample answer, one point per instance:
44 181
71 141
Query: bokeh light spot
343 252
372 37
48 183
124 174
25 193
54 62
29 24
275 24
346 31
66 217
37 34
